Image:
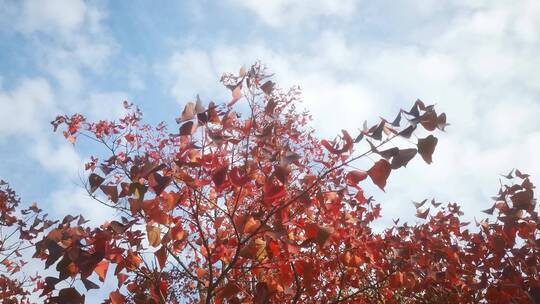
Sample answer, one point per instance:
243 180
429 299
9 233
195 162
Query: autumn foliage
242 203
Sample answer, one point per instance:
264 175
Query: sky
477 60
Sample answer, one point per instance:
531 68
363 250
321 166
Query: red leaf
178 233
220 176
379 173
356 176
237 179
117 298
273 192
317 233
329 146
161 256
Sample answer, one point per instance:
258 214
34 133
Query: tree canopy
243 203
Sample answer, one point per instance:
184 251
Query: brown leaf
262 294
89 284
422 215
251 225
389 153
199 106
95 181
429 120
188 113
68 296
158 182
407 132
403 157
188 128
111 191
267 87
397 120
376 131
426 147
441 122
419 204
318 233
236 95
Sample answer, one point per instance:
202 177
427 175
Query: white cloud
60 158
25 107
62 16
68 43
479 68
104 105
73 199
280 13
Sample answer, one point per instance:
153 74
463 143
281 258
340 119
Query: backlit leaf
154 235
379 173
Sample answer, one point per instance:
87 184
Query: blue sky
355 60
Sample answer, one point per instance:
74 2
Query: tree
18 230
243 204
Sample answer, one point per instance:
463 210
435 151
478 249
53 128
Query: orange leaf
154 235
251 225
101 269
